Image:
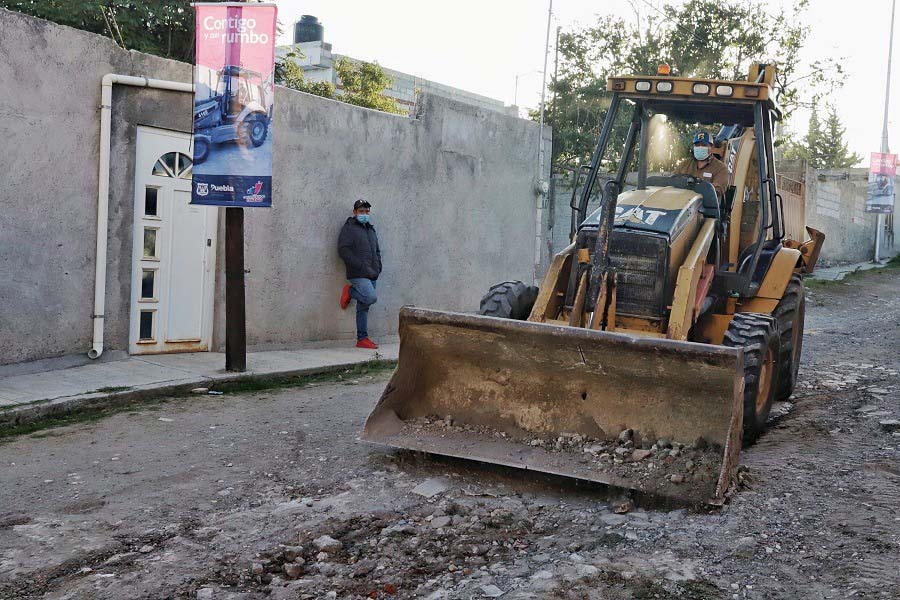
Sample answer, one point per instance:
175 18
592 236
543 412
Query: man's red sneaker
367 343
345 296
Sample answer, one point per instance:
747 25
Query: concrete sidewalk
839 272
32 396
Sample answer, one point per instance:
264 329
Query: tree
834 150
161 27
715 39
363 84
824 147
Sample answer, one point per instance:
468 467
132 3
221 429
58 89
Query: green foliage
363 84
289 74
161 27
715 39
824 146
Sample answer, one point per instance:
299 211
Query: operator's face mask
362 219
701 152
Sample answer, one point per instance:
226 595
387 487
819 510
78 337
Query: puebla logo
202 189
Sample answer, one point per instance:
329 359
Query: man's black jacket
358 247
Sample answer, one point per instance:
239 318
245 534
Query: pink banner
880 193
234 93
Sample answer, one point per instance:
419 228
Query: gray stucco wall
453 195
835 205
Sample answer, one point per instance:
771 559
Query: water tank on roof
308 29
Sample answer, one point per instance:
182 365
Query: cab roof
697 100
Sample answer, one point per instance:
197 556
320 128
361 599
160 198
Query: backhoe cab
235 112
674 315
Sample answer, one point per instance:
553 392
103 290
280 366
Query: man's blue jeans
363 291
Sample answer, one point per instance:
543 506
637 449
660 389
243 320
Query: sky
481 46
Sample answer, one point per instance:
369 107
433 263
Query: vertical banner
880 196
234 94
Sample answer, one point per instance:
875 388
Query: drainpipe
103 189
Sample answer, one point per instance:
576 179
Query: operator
704 166
358 247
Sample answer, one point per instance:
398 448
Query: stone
199 390
205 594
639 455
676 478
663 443
675 452
594 449
745 547
626 435
441 522
146 549
431 487
890 425
364 567
492 591
613 519
293 570
689 465
587 570
622 451
327 543
256 568
291 553
542 575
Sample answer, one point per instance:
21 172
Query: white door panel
174 259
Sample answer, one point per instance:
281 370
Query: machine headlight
751 92
701 88
724 90
664 87
642 86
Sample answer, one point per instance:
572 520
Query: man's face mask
701 152
362 219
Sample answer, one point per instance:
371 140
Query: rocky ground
271 495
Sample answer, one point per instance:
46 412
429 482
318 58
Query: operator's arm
345 247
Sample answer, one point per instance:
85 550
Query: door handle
209 242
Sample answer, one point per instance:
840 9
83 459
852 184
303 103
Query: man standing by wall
358 247
704 166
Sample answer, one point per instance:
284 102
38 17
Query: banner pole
879 220
235 298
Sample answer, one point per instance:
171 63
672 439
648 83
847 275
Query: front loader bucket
554 399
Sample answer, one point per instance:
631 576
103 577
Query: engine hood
664 210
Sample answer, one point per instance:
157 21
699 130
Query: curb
42 409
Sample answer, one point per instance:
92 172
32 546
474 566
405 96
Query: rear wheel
790 315
757 334
201 150
255 130
509 300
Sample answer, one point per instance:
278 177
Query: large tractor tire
254 130
509 300
790 315
757 334
201 150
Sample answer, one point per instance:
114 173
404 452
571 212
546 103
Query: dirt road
270 495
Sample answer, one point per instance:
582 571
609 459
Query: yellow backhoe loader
659 338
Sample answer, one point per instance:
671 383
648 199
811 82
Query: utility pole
543 186
879 220
235 298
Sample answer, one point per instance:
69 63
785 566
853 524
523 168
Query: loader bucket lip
443 362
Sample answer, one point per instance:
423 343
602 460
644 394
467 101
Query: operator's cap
361 204
702 137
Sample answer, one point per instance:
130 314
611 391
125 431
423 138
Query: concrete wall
835 205
453 196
